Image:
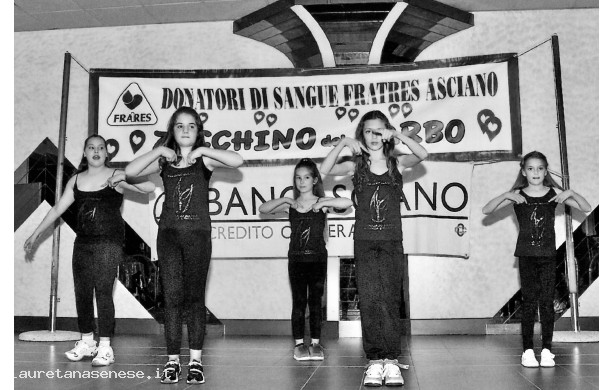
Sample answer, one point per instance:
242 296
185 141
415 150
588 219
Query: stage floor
254 362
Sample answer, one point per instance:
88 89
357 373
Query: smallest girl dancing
307 252
535 200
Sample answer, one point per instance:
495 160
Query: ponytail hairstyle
83 166
169 141
362 162
521 181
314 171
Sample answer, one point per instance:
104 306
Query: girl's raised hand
193 155
516 198
167 153
114 180
293 203
317 206
387 135
354 146
562 196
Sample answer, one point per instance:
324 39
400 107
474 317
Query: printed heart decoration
406 109
137 138
271 119
394 109
353 113
489 123
112 147
258 116
494 128
340 112
130 101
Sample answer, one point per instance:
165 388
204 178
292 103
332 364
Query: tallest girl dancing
377 178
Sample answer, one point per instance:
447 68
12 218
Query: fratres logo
132 108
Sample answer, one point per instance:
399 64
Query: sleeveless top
536 219
186 197
307 243
98 215
377 211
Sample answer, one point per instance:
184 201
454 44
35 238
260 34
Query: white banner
438 194
458 107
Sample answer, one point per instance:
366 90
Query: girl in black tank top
98 214
184 236
377 178
97 192
534 198
307 252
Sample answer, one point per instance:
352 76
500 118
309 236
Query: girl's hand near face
387 135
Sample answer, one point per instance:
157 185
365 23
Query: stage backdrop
461 110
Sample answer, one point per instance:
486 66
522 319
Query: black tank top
377 214
307 241
536 219
98 215
186 197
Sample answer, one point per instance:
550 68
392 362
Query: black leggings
379 267
537 286
184 258
307 281
94 267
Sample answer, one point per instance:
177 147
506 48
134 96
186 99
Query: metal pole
570 259
61 146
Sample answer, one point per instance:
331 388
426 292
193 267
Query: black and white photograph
306 194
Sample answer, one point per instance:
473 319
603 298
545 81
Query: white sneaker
80 350
105 357
374 373
528 359
392 373
547 359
